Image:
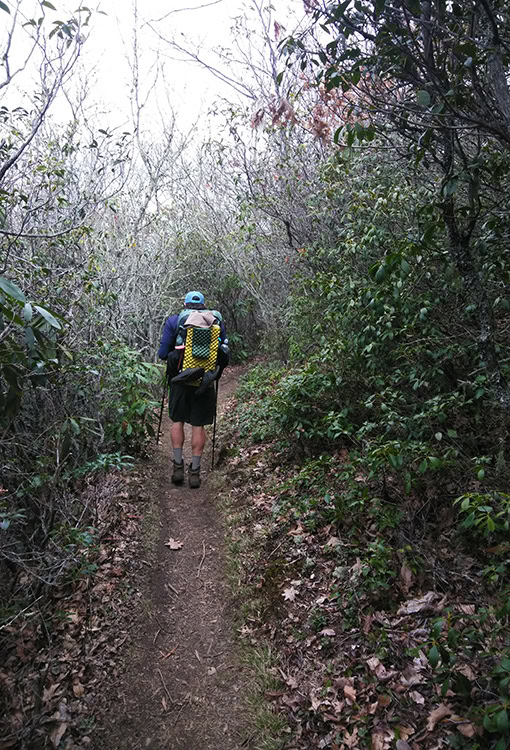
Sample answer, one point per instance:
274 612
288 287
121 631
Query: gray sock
195 462
178 455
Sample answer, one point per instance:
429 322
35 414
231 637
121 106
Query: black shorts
185 406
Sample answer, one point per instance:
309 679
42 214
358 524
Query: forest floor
237 616
182 685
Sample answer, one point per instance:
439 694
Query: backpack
197 341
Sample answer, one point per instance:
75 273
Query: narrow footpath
182 686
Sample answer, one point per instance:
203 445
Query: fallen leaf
289 594
403 745
436 715
417 697
350 693
467 729
333 541
467 609
173 544
50 691
405 732
78 689
367 623
57 734
423 604
350 740
467 671
382 738
327 631
406 578
289 680
379 669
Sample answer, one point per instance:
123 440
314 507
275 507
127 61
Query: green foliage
105 462
28 346
257 411
486 514
458 640
127 384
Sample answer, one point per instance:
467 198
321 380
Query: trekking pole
162 405
214 426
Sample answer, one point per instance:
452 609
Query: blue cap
195 298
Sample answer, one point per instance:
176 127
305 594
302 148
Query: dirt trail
183 687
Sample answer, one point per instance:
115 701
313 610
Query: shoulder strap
181 331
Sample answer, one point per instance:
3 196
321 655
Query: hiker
190 401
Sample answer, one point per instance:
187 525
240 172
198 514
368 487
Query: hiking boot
194 478
178 473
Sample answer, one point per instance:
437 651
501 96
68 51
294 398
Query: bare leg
197 441
177 434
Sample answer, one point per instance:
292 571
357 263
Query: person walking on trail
192 397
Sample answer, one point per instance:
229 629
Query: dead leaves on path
174 544
57 658
354 674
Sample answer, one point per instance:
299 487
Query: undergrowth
378 574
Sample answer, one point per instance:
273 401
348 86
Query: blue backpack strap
181 332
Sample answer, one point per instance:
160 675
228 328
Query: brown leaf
425 603
350 740
333 541
436 715
78 689
417 697
173 544
406 577
379 669
467 671
57 734
350 693
467 729
405 732
289 594
467 609
384 701
382 738
367 623
50 691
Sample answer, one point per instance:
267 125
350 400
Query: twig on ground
165 656
165 687
186 701
202 560
161 627
156 636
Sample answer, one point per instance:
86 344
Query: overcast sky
189 89
105 66
182 85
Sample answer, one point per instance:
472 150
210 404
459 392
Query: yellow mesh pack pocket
201 349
